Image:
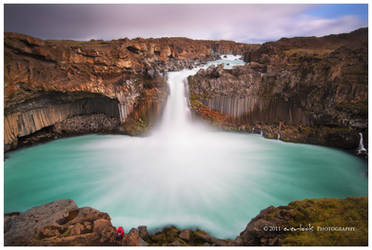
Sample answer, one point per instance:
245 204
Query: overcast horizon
249 23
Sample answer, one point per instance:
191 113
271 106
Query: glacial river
184 173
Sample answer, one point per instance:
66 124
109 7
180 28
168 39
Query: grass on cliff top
349 213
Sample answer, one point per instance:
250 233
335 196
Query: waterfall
176 118
278 136
176 122
261 133
361 147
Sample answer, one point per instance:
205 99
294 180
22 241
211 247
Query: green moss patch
335 222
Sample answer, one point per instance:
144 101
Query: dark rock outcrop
309 90
172 236
52 82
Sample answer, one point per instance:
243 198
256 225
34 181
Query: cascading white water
361 147
278 136
176 120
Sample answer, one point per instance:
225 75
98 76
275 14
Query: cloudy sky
239 22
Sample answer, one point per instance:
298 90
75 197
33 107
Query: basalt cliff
59 88
311 222
304 89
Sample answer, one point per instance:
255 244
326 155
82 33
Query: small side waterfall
361 147
278 136
261 133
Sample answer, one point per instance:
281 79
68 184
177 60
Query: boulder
29 223
143 233
201 235
185 234
177 242
59 223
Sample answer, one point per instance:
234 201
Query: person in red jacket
120 233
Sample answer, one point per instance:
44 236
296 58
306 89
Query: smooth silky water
184 173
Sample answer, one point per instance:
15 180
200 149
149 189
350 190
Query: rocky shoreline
311 222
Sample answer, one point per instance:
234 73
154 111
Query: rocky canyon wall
105 86
52 108
310 90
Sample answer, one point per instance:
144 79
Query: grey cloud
246 23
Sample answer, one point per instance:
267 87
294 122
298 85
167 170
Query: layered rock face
311 222
50 84
310 90
60 110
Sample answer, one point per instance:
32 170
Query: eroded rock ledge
309 222
58 88
307 89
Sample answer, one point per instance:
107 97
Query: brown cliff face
51 82
311 90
